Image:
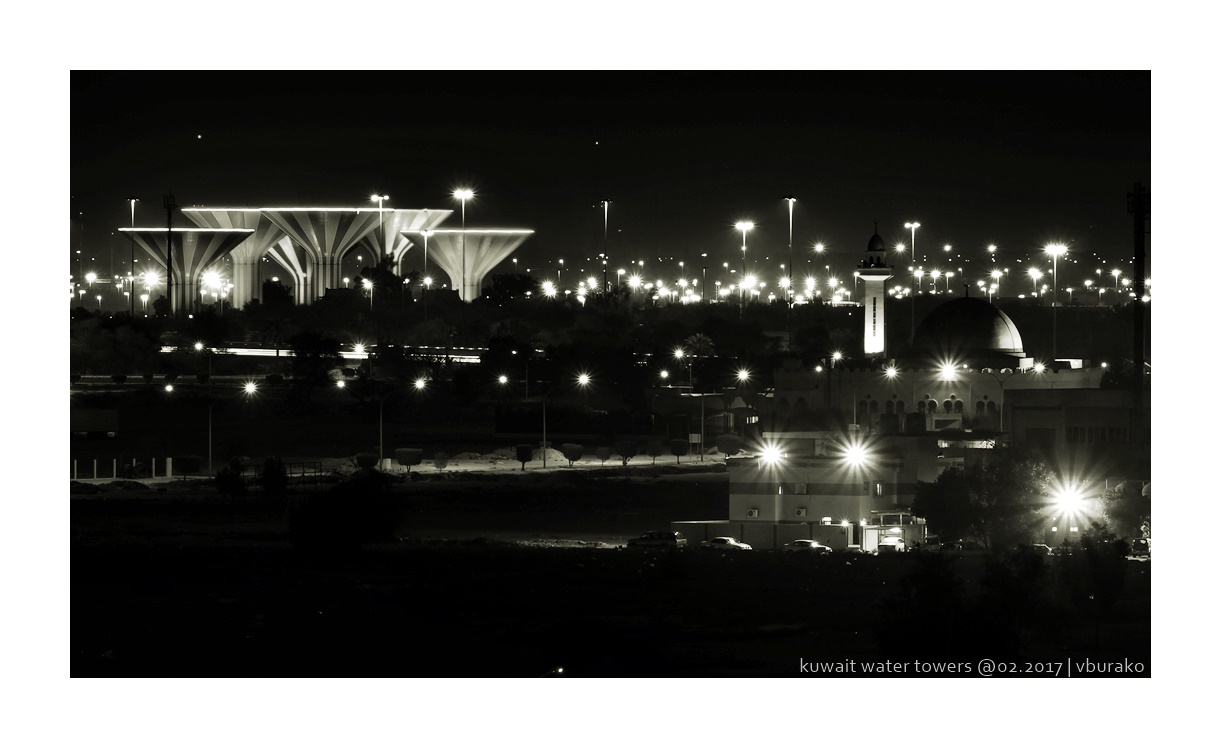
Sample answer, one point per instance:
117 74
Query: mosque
848 442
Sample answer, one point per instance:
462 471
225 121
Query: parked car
802 545
1140 547
963 548
659 539
725 544
892 545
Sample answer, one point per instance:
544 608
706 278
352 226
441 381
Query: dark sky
1015 159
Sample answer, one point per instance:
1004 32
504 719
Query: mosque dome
968 330
876 245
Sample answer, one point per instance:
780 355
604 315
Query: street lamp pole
463 195
789 290
131 268
743 226
913 225
583 381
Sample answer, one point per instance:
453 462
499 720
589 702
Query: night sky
1019 160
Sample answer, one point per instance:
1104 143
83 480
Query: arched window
873 406
957 406
932 406
979 407
921 407
900 408
890 407
992 407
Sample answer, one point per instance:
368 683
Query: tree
524 453
654 449
993 501
1128 510
230 479
678 448
440 460
946 504
626 449
572 452
314 355
603 454
274 477
729 444
409 457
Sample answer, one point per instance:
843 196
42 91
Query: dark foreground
182 585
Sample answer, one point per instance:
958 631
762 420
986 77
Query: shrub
188 464
654 449
365 460
132 472
409 457
118 378
274 379
626 449
171 378
273 477
148 378
440 460
603 454
357 511
678 448
230 479
729 444
524 453
572 452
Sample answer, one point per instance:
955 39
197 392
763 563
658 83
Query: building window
890 407
957 406
873 406
921 407
979 407
932 406
900 408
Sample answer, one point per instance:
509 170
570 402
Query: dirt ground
499 576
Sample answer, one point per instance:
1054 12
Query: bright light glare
891 371
744 225
340 383
583 380
771 454
250 387
419 384
463 194
855 454
502 379
743 375
1068 500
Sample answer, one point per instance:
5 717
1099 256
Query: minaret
874 273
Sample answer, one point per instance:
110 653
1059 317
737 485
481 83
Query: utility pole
170 205
131 268
1138 207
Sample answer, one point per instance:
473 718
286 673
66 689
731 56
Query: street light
743 226
913 225
583 382
368 286
992 252
1035 276
247 390
463 195
790 200
381 220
